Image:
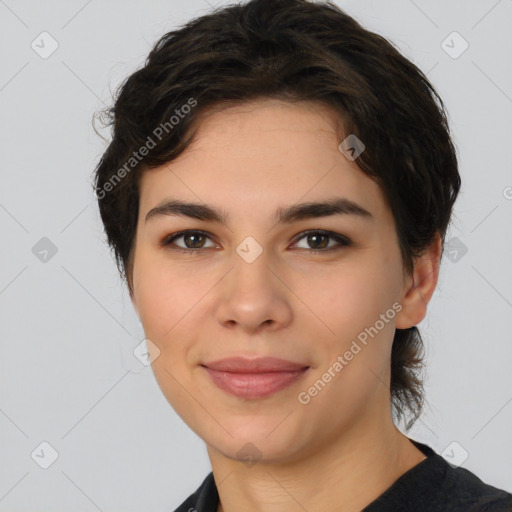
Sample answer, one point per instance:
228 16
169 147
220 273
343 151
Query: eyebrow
284 215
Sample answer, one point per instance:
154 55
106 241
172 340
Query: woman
277 193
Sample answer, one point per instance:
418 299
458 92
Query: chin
250 445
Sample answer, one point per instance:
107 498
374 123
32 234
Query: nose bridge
253 295
251 274
250 250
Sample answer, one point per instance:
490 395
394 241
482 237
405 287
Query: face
256 287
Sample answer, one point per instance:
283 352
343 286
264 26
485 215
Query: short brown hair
292 50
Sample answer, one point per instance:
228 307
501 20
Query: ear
419 288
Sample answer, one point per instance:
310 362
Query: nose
254 297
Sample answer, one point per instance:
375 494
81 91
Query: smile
254 378
254 385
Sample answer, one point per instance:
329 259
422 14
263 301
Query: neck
345 474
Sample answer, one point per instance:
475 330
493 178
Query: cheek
350 304
356 348
349 298
165 296
167 304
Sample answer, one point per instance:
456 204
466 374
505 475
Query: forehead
261 155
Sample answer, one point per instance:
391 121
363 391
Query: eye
194 240
318 236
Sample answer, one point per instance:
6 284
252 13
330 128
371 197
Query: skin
341 450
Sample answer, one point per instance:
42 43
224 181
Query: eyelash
342 241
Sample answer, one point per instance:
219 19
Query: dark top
433 485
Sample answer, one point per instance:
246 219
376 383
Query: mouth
254 378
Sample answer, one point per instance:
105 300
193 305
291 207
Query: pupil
193 245
192 236
316 237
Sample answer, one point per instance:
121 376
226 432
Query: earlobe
419 287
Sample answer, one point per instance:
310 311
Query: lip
241 364
254 378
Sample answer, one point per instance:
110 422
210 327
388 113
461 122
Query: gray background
68 329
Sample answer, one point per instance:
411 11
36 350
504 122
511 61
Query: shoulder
204 499
448 488
472 494
435 485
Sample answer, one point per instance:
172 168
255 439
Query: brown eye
318 241
192 239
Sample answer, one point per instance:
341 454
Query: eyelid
168 240
342 240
